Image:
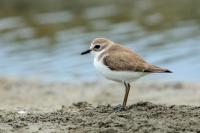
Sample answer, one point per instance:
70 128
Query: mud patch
83 117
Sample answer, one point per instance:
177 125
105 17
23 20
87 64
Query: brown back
123 59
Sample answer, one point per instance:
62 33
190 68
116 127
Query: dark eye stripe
97 46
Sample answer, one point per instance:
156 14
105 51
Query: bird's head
98 45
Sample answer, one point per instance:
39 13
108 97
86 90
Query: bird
118 63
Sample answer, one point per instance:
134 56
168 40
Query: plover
120 64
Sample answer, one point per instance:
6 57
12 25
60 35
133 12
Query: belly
119 76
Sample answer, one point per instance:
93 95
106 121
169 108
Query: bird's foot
119 108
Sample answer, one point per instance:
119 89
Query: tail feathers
168 71
161 70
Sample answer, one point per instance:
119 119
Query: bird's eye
97 46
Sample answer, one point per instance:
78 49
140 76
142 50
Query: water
46 42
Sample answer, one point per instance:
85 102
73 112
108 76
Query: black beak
86 52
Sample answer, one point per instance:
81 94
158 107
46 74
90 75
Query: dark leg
127 89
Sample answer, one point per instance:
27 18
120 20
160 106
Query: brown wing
126 60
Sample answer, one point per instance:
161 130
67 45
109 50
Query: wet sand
33 106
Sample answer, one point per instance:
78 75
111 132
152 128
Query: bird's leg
127 88
123 107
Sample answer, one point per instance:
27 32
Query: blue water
50 49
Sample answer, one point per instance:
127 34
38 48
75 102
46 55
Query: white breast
119 76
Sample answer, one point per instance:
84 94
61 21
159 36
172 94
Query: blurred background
43 39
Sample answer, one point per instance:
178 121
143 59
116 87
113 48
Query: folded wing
127 60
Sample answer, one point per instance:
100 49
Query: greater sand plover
120 64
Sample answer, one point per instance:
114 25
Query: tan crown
101 41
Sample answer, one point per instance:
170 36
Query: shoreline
33 94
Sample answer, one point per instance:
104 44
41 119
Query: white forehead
95 42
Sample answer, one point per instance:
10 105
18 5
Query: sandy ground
32 106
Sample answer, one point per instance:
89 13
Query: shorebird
120 64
